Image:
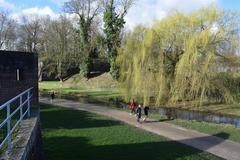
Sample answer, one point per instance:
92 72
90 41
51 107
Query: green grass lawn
64 89
71 135
209 128
205 127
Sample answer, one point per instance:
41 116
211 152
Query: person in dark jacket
146 109
139 112
52 96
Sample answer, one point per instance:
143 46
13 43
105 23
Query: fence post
9 127
28 99
21 110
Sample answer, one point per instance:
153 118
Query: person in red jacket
132 107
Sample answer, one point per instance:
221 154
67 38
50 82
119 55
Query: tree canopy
181 58
87 11
115 11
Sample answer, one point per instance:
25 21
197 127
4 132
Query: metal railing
18 104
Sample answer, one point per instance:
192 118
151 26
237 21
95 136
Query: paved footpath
222 148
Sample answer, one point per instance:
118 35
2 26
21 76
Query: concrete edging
28 143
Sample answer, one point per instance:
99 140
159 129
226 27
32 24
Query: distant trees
178 58
114 13
87 11
29 33
7 32
72 41
58 40
54 40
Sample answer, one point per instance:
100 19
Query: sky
142 12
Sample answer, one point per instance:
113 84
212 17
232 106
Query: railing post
28 99
21 110
9 127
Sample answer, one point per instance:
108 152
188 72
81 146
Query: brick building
18 72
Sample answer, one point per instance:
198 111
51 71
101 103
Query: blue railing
20 105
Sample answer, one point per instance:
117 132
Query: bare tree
29 34
7 32
58 40
121 7
63 33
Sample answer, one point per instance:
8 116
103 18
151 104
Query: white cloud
6 5
35 11
146 11
46 11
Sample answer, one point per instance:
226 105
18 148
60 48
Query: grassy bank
91 89
99 96
72 134
205 127
84 91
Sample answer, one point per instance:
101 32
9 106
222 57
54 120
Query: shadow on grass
71 119
73 148
67 146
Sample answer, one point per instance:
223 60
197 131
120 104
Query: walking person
145 109
52 97
139 112
132 107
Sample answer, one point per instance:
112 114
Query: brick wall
28 65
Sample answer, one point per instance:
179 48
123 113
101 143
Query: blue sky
147 10
230 4
56 4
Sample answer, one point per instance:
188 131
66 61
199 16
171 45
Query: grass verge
72 134
205 127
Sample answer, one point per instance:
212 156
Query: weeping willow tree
181 58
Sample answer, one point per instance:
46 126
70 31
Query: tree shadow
73 148
71 119
206 142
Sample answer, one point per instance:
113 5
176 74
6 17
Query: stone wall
27 64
